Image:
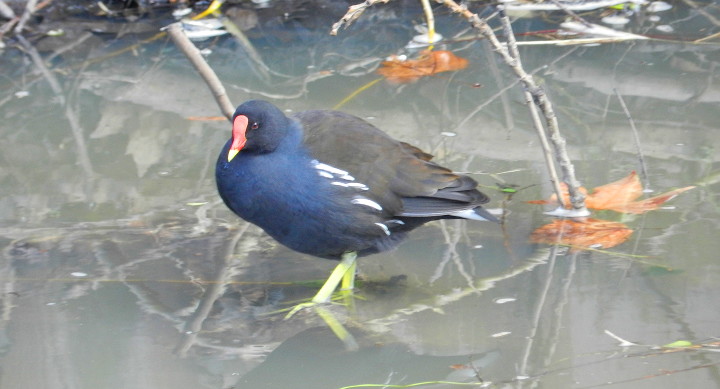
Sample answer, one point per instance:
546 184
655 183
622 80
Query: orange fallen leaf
616 193
399 71
642 206
618 196
582 234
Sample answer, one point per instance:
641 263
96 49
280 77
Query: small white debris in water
478 246
665 28
670 207
501 334
179 13
57 32
679 144
78 274
504 300
22 93
658 6
50 304
522 377
288 110
205 52
654 18
615 20
370 117
425 38
401 57
448 134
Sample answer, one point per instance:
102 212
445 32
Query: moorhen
332 185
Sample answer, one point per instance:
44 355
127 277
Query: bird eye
254 126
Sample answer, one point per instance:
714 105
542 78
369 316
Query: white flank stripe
356 185
342 174
385 229
367 202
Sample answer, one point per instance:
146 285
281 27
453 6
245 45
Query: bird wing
400 176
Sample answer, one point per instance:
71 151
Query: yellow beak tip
232 154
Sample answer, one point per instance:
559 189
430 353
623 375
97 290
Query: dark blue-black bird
332 185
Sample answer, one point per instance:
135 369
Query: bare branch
353 14
211 79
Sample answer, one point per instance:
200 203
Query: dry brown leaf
582 234
618 193
400 71
618 196
642 206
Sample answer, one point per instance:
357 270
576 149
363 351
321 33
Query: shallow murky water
122 269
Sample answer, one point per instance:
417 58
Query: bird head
258 127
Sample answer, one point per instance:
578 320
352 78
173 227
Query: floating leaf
398 70
650 204
616 193
618 196
678 344
587 233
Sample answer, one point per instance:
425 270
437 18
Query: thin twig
193 55
539 98
6 11
570 12
353 13
636 138
529 100
29 9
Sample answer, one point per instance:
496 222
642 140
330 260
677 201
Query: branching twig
353 14
538 98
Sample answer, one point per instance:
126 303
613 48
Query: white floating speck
448 134
478 246
57 32
50 304
665 28
425 38
615 20
78 274
522 377
179 13
658 6
501 334
22 93
202 35
205 52
654 18
669 207
504 300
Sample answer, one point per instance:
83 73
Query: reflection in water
102 174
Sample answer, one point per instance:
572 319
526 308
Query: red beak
238 136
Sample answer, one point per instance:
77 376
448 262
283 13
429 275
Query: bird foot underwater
343 273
